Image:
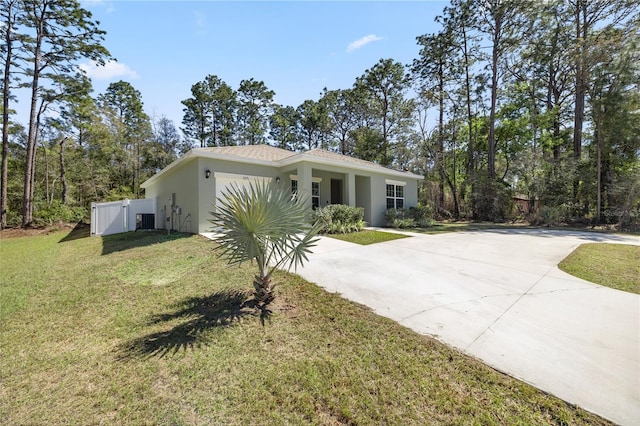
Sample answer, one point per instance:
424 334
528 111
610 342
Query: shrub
57 212
628 220
423 215
395 217
14 219
549 215
492 200
412 217
403 223
339 219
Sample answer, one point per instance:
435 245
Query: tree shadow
199 314
587 235
128 240
81 230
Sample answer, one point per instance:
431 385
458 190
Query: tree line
538 100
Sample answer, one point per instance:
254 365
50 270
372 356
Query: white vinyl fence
122 216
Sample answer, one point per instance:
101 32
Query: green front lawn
444 227
145 328
367 237
612 265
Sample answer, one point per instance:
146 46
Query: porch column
351 189
304 183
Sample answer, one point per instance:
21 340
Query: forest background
510 109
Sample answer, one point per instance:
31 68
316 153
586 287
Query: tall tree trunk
343 145
5 130
494 95
580 86
471 161
6 92
203 143
136 178
48 195
30 159
580 83
440 146
5 167
471 164
599 173
385 135
532 187
553 101
454 193
32 137
63 171
453 184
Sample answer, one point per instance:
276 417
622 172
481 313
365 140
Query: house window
315 191
395 196
315 195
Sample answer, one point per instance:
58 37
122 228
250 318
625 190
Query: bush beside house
413 217
339 219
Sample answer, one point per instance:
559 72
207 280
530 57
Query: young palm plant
265 224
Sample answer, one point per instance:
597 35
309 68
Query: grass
145 328
444 227
612 265
367 237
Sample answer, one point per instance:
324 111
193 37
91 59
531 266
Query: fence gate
122 216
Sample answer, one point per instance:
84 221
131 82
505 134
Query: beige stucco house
187 189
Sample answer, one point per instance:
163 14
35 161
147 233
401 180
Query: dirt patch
35 230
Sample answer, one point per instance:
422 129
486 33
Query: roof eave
236 158
330 162
184 159
199 153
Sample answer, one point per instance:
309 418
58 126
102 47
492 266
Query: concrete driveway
499 296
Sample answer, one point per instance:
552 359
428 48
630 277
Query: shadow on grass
197 315
586 234
128 240
81 230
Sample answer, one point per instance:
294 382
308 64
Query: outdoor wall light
278 179
207 173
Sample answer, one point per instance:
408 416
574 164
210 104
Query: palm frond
262 222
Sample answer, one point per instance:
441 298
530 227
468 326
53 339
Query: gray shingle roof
278 157
328 155
256 152
271 153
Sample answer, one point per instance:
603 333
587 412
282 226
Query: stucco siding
195 194
207 188
363 196
183 182
378 200
410 193
379 196
370 190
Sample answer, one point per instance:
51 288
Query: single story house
187 189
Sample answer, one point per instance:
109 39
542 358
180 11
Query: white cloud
362 41
111 69
200 23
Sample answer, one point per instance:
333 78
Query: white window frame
397 199
315 184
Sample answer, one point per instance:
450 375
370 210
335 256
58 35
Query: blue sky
296 47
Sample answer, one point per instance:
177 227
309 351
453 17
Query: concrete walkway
499 296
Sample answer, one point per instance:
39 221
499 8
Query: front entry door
336 191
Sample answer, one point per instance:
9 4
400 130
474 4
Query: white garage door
223 180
